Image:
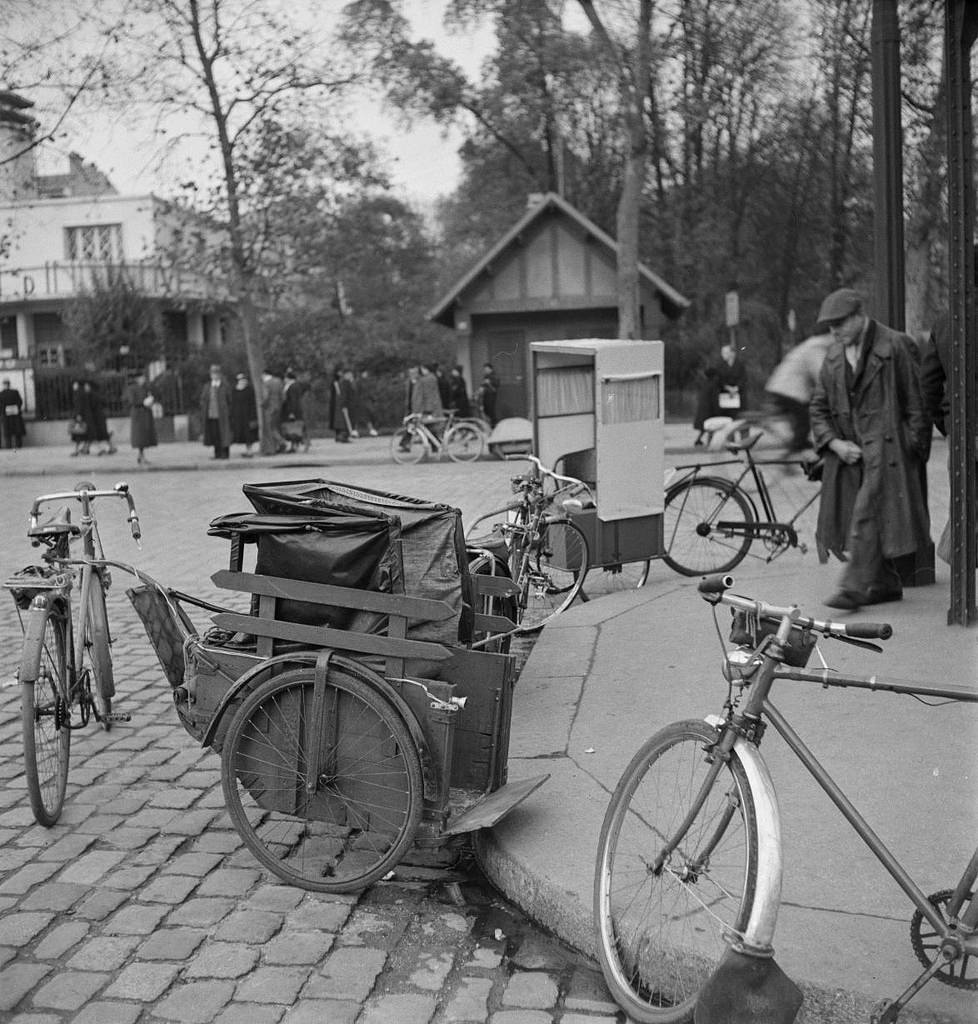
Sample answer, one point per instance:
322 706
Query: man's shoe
845 600
882 595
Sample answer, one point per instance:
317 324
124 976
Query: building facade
60 234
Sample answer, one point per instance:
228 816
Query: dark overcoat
223 414
884 415
142 427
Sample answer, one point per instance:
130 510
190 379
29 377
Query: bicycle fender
30 658
758 937
429 776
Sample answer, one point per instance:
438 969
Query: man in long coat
869 423
215 412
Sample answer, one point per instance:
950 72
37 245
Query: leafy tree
115 325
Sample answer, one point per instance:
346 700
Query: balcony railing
69 280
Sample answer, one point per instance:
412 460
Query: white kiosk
598 415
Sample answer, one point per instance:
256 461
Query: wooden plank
321 636
484 623
493 586
347 597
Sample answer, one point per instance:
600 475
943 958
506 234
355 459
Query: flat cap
840 304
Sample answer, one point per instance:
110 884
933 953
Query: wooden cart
345 749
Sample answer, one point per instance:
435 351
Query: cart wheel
324 788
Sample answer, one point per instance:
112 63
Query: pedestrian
93 411
339 407
458 394
215 413
11 416
937 401
365 404
142 426
488 393
444 388
723 389
293 426
271 405
789 389
244 414
869 424
426 396
78 429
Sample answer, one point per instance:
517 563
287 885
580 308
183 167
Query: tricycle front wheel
322 781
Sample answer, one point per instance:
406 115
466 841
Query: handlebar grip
715 584
136 531
869 630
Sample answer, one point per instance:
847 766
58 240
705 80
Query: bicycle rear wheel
464 443
99 652
661 926
408 446
45 710
334 826
554 575
708 524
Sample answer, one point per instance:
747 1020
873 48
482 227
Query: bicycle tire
660 934
485 564
45 707
99 652
464 443
365 808
554 575
694 545
408 446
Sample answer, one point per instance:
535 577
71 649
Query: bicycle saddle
60 522
746 444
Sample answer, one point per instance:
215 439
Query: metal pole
960 29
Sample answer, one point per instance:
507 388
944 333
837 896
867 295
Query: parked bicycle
689 857
546 554
66 672
712 521
417 438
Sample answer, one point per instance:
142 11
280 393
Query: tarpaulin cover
340 546
433 555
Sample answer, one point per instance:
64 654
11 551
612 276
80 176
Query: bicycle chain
938 899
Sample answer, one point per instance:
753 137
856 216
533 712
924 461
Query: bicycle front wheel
99 652
661 925
708 526
325 789
408 446
554 574
45 711
464 443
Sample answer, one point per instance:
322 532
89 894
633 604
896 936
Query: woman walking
142 426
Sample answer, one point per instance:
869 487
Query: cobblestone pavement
142 904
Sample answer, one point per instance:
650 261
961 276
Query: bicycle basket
747 629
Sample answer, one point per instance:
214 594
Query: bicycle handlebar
571 481
714 589
86 493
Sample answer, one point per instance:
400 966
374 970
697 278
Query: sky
130 160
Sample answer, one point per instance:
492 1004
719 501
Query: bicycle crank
927 945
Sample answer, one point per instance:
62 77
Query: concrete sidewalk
610 672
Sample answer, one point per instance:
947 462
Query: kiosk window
565 391
628 401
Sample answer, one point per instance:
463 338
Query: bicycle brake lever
858 643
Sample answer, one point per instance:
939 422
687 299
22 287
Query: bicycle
546 554
416 439
689 855
710 522
65 671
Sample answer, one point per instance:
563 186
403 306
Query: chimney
17 130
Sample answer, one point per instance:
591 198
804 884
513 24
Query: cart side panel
486 681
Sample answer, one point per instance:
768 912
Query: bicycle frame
752 467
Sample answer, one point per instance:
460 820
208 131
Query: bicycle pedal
117 718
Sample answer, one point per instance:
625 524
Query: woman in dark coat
142 427
93 411
723 391
244 415
458 394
